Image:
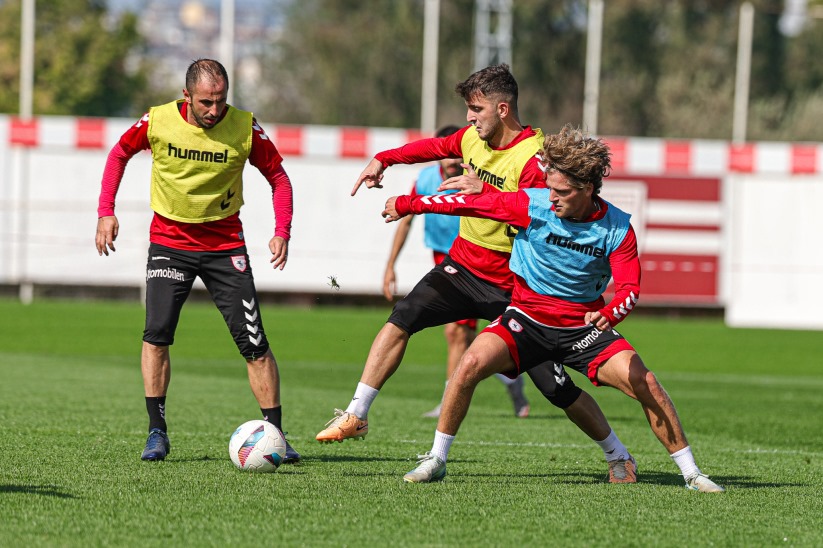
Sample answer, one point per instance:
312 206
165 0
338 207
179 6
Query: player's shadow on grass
588 478
746 482
670 478
44 490
549 413
573 477
644 478
568 478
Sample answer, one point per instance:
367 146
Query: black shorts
227 276
448 293
531 344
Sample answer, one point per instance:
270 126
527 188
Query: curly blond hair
581 158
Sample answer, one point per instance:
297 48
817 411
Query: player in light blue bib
569 243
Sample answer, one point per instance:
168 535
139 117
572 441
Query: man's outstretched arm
506 207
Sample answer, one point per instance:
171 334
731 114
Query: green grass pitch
73 423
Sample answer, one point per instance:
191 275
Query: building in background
180 31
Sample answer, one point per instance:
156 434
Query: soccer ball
257 446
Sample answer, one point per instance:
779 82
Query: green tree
80 59
346 62
668 68
793 111
693 90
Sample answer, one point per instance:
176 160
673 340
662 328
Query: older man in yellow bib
199 147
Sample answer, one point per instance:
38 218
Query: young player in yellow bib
440 232
200 146
474 281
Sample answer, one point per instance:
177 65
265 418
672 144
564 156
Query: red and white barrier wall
51 166
694 158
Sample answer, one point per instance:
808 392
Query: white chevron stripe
443 198
626 306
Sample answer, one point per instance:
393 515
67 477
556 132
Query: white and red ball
257 446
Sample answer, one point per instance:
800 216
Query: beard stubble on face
202 122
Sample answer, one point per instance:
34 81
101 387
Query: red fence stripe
804 159
289 140
354 142
24 132
618 147
741 158
90 133
678 155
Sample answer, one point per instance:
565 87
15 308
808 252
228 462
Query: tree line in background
80 59
668 68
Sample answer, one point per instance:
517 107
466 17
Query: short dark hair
445 131
495 81
203 69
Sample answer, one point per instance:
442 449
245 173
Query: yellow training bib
499 168
197 174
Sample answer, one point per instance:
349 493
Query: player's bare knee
471 369
646 387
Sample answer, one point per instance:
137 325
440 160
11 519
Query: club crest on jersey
515 326
239 262
450 269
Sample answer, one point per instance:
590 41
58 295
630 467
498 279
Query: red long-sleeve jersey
487 264
210 236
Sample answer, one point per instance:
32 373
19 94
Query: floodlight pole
744 64
591 88
20 217
27 59
431 33
227 43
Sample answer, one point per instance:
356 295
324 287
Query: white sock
685 461
504 379
442 444
361 402
613 448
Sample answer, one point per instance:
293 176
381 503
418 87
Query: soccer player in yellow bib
439 234
474 280
199 147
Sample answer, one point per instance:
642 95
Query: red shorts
583 349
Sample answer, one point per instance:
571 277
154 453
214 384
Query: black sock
274 416
157 413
